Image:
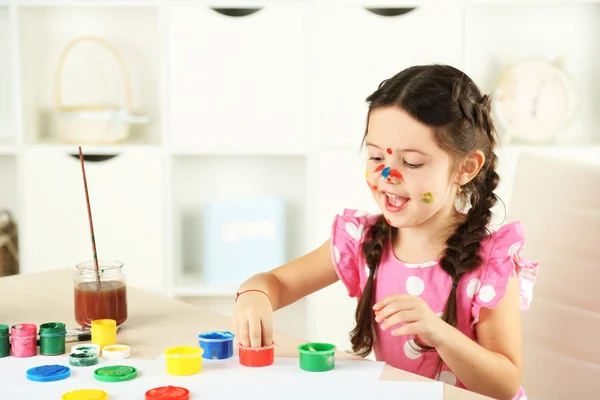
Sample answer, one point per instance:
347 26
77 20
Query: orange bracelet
251 290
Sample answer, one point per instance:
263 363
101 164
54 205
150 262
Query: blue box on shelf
242 237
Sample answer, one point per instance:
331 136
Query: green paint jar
317 357
52 338
4 342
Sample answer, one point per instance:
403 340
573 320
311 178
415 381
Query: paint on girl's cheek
373 187
427 197
389 151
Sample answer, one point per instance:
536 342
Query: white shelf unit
270 103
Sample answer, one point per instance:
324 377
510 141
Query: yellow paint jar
104 332
184 360
86 394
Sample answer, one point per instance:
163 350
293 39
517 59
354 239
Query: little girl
438 293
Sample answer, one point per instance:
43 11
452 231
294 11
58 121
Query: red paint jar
168 392
23 339
256 356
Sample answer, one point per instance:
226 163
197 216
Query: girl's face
408 173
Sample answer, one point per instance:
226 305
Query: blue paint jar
217 345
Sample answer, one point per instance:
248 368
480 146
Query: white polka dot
354 231
367 270
472 287
410 349
524 398
447 377
336 252
415 285
361 213
440 314
487 293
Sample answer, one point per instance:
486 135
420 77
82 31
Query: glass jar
100 297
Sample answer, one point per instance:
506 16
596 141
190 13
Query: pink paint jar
23 339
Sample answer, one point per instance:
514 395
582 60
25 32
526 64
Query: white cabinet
126 197
356 49
238 84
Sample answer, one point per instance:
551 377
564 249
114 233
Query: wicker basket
94 123
9 250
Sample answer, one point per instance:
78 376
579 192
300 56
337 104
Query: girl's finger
394 307
243 337
254 331
401 317
413 328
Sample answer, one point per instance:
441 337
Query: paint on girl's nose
385 172
380 168
396 174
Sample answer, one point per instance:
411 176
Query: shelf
573 48
116 149
250 182
7 109
90 74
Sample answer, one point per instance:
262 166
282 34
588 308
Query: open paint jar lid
86 348
116 352
48 373
168 393
86 394
115 373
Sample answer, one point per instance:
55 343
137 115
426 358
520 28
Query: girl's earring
459 191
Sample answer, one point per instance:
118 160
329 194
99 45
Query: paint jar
4 341
86 394
23 340
317 357
52 338
168 392
256 356
184 360
104 332
104 300
217 345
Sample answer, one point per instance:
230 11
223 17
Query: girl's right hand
253 319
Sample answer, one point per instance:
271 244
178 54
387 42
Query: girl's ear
470 167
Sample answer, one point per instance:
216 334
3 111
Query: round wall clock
533 101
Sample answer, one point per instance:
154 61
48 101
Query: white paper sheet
289 368
219 380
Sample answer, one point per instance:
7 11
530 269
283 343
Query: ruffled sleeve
503 261
347 235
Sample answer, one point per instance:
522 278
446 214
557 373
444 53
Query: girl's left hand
414 314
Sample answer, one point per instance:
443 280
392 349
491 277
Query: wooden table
154 323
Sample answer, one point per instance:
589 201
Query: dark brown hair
447 100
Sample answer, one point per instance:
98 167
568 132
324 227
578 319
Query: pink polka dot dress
483 287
